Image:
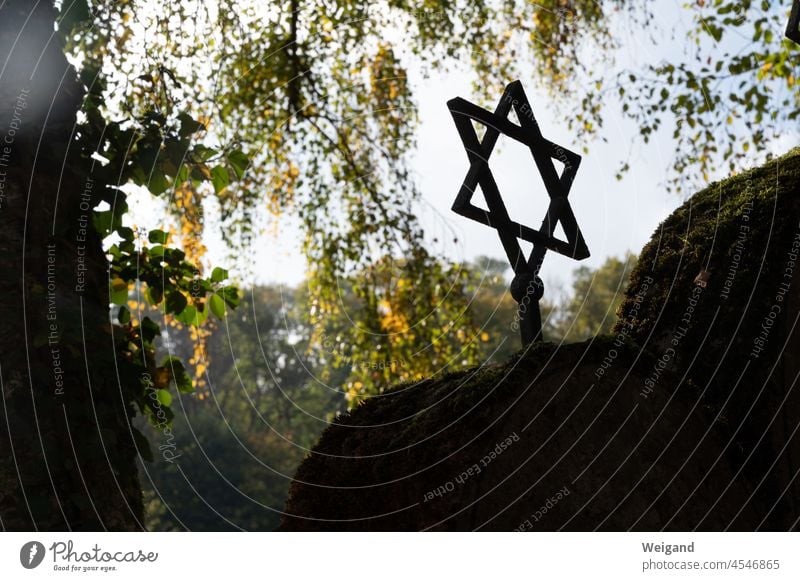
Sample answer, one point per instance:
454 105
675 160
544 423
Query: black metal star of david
793 28
527 288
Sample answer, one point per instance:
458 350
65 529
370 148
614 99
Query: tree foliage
729 91
591 308
152 152
235 445
307 108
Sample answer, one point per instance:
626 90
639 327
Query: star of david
527 287
544 152
793 28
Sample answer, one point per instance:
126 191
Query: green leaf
154 295
124 316
203 153
176 302
112 220
158 182
164 397
182 380
219 274
174 155
231 296
188 125
201 315
156 251
102 222
184 383
219 178
239 162
157 236
174 256
188 316
217 305
149 330
118 291
73 13
125 233
183 174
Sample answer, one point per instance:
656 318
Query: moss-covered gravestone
685 418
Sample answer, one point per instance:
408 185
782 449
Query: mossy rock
737 339
670 423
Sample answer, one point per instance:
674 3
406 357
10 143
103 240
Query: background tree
596 295
271 391
242 437
72 388
727 97
67 455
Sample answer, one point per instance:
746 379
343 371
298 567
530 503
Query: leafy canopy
306 108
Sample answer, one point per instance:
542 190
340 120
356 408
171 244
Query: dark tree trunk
67 457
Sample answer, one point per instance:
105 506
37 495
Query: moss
703 234
379 467
741 230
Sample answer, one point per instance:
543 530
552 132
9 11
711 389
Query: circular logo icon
31 554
